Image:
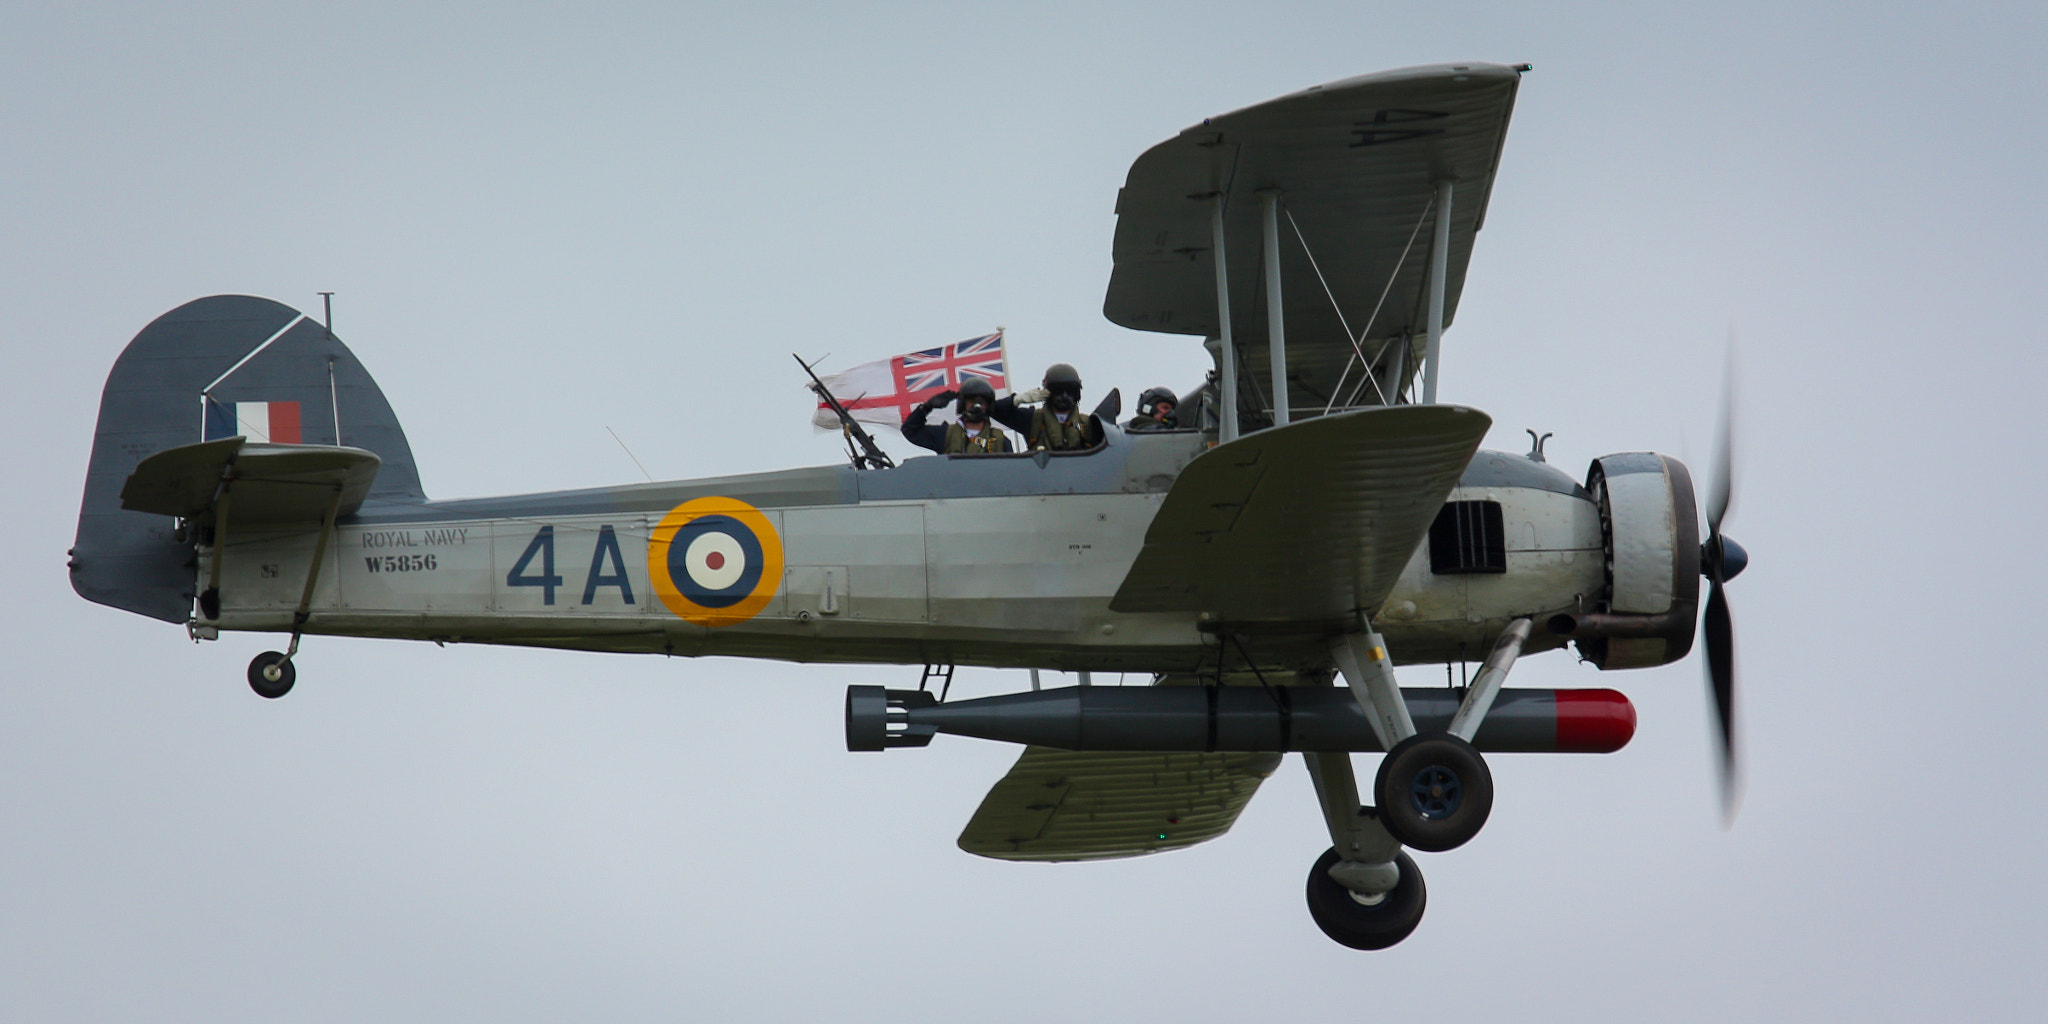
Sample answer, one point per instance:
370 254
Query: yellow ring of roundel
672 596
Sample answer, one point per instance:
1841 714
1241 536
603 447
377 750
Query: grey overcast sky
542 221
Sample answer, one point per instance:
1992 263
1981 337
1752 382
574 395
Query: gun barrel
871 454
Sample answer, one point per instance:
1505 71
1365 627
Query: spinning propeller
1721 560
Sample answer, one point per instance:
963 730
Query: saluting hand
941 400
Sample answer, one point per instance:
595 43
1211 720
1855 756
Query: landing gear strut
1433 792
1366 922
271 674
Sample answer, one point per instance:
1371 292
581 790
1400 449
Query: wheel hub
1435 792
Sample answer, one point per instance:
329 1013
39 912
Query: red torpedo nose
1593 721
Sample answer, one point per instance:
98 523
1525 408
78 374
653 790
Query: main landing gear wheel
1434 792
1366 922
271 675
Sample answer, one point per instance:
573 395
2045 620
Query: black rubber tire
1362 926
1434 792
271 689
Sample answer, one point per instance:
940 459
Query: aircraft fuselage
967 561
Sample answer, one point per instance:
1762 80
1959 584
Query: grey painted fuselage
994 561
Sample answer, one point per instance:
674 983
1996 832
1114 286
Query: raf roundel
715 561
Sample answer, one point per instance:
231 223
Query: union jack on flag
886 390
937 369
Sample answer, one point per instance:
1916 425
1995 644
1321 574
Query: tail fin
217 367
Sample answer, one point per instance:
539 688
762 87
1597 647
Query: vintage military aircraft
1321 519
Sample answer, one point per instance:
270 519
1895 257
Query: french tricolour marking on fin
274 422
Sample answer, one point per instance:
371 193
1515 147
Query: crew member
973 434
1155 411
1058 425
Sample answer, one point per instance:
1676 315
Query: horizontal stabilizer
1310 522
270 483
1072 805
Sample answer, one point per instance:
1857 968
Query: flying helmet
974 387
1062 373
1148 403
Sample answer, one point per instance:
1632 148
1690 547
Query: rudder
216 367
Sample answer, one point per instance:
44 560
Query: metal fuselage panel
994 579
1554 565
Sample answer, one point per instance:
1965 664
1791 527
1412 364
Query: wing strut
1439 269
1276 323
1276 319
1227 429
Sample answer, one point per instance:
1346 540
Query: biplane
1319 518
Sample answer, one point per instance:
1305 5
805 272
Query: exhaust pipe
1623 626
1240 718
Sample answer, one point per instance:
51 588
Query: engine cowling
1650 538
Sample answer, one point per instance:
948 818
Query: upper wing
1355 165
1078 805
1306 523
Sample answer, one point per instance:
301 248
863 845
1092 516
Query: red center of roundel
715 560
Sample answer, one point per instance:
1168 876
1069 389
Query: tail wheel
1434 792
1366 922
271 675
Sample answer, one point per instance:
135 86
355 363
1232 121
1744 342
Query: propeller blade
1722 559
1720 650
1721 488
